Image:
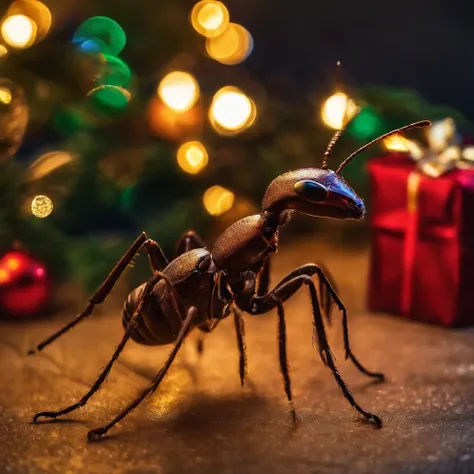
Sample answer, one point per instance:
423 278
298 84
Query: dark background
419 44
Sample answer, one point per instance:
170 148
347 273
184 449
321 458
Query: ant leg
132 325
188 241
239 323
284 291
325 294
263 281
158 262
191 314
311 269
284 358
100 295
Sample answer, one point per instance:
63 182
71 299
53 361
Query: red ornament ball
24 285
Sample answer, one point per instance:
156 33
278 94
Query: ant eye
311 190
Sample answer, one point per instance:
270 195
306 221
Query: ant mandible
200 287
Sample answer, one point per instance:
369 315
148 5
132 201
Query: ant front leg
283 291
157 260
311 269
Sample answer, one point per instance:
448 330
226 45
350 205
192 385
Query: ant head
313 191
321 192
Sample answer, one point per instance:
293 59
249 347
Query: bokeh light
36 11
395 143
218 200
401 144
3 51
19 31
233 46
232 111
5 95
172 125
47 164
366 125
179 91
338 110
109 99
102 34
192 157
114 72
41 206
209 18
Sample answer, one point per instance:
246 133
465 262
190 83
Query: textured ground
201 421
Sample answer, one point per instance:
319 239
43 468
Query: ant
201 287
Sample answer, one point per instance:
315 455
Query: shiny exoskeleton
201 286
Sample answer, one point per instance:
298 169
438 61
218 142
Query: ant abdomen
154 328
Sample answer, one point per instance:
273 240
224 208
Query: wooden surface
201 421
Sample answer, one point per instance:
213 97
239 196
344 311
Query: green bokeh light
101 33
366 124
116 72
67 122
109 99
127 198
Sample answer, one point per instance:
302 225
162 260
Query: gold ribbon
412 191
444 152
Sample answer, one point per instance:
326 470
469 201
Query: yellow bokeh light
13 263
19 31
3 51
179 91
338 110
399 143
395 143
232 111
209 18
5 95
41 206
35 11
192 157
4 275
231 47
218 200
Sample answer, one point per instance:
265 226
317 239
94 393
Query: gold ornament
41 206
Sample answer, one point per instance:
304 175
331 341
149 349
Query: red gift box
422 261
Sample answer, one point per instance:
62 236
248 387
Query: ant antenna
338 75
338 133
333 141
422 123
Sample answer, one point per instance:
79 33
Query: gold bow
444 153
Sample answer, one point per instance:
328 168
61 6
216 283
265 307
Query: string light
209 18
233 46
218 200
41 206
232 111
338 110
18 31
179 91
192 157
